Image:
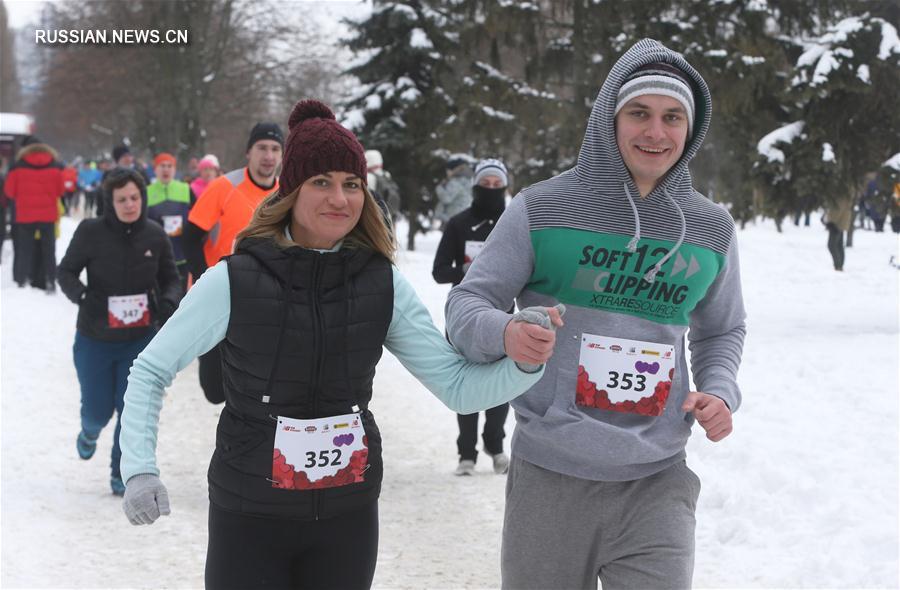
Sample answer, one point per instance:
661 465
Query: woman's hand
146 498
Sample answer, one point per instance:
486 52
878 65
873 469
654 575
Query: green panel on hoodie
595 270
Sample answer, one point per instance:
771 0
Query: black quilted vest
304 336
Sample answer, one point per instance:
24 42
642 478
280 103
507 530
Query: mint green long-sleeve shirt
201 322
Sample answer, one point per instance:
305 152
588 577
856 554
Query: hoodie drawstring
650 275
632 245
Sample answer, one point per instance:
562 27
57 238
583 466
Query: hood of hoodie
37 155
599 162
111 219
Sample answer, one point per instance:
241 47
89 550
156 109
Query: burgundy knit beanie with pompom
317 144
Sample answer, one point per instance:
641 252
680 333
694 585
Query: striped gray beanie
490 167
659 78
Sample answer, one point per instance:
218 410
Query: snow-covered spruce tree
846 85
528 73
402 51
775 192
740 50
500 104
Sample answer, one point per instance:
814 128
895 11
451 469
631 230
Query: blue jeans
103 369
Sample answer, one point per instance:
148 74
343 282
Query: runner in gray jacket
598 485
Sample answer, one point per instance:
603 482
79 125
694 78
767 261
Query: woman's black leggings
268 553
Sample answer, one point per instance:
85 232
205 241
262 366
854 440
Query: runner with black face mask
464 236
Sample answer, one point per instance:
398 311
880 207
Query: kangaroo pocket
563 408
537 402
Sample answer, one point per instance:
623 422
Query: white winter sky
27 12
23 12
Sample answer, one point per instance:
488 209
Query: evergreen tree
518 80
501 107
845 87
403 51
9 81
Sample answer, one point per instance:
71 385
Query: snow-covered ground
804 494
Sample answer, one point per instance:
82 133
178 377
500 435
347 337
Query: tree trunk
852 227
414 227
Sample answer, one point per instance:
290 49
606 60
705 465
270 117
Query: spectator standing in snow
224 209
301 312
381 184
35 183
838 216
895 209
870 204
70 187
598 485
168 203
192 171
3 204
88 177
454 193
464 236
132 287
208 170
89 182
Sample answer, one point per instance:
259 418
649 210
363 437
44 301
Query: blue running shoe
85 445
117 485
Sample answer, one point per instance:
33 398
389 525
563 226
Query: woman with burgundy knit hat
300 312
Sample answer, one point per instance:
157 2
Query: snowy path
803 494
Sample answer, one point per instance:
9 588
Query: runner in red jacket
35 183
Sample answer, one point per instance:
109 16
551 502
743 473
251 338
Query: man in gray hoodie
598 485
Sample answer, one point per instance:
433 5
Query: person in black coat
132 287
464 236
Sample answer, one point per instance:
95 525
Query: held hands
711 412
146 498
530 336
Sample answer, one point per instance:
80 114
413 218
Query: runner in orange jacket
223 210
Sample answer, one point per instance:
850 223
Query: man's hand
531 334
711 412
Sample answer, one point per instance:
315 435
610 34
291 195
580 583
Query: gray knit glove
145 499
539 316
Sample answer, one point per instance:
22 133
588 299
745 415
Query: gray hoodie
645 269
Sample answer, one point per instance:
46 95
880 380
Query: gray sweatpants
562 532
